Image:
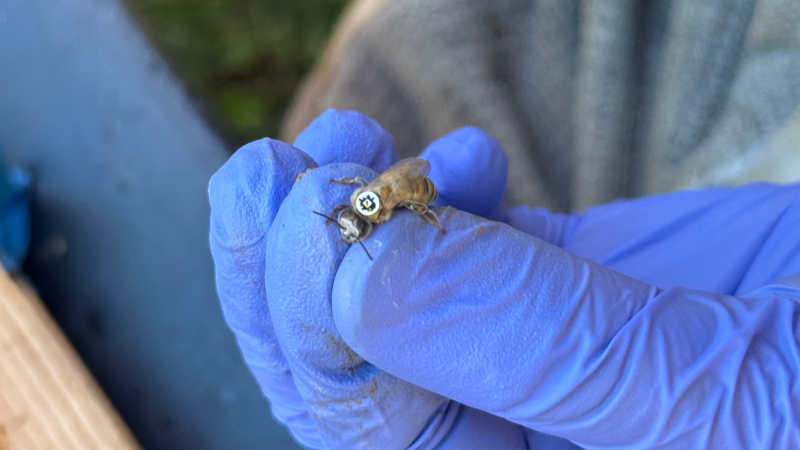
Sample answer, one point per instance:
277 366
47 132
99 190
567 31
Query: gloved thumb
470 171
486 315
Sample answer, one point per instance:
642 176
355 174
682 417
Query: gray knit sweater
592 100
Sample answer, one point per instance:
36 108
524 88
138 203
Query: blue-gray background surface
121 159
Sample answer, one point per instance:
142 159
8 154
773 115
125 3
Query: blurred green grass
245 57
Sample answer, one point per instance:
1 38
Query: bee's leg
384 215
425 213
350 180
302 174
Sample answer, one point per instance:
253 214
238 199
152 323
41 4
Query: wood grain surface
48 398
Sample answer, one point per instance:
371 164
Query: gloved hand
507 323
692 342
275 266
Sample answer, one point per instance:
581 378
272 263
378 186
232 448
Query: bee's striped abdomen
425 192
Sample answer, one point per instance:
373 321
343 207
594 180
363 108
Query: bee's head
352 225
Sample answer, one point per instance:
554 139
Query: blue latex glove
507 323
275 266
690 343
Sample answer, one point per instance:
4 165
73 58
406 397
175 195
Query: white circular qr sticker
368 203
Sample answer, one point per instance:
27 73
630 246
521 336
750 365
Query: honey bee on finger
404 184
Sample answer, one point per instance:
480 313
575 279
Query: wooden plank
48 398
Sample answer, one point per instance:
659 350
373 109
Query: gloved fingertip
470 171
303 253
348 136
246 192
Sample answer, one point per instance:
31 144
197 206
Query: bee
404 184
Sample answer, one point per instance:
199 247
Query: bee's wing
410 170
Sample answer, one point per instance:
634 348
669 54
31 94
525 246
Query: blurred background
114 114
243 58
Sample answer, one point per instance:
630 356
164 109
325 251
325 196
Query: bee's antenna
340 226
365 250
330 219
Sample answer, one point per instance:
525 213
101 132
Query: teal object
15 234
